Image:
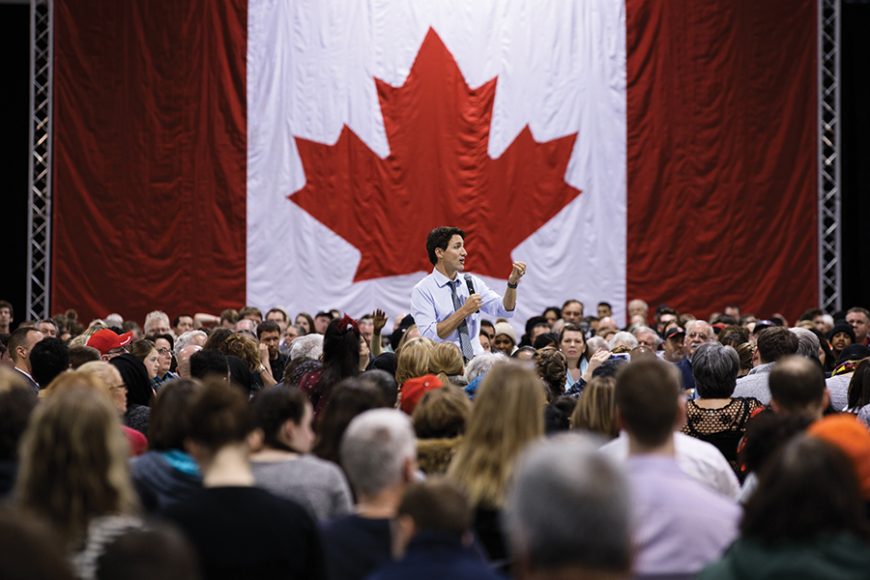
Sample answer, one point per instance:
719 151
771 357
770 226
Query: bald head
797 387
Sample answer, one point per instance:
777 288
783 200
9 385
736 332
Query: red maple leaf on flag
438 172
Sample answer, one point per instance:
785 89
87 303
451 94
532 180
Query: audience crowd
251 445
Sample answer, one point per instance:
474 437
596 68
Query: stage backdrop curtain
210 154
149 156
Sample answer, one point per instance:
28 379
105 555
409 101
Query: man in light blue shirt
443 308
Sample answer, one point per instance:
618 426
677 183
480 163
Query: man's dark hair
606 305
48 358
797 384
274 407
487 323
5 304
18 338
647 398
17 401
249 310
859 387
79 355
439 238
815 475
279 311
574 301
776 342
384 382
545 340
168 425
324 314
208 362
178 318
267 326
437 505
810 314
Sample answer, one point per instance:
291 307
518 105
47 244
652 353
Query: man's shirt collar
441 279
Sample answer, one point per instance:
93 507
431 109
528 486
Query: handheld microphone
470 286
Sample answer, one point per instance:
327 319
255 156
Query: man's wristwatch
513 286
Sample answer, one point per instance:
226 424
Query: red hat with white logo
106 340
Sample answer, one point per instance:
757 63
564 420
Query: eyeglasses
118 351
163 350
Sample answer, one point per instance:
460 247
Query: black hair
555 309
167 337
208 362
16 405
273 407
177 319
384 381
859 386
48 358
135 378
350 398
267 326
439 238
815 475
545 340
340 356
18 338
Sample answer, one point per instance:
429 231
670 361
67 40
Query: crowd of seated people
241 445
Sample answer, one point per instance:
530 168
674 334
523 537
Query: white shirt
432 302
697 459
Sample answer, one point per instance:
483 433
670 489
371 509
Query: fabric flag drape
295 153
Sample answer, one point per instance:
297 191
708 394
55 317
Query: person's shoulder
616 449
314 464
696 448
424 282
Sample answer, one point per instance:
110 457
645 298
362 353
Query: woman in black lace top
715 416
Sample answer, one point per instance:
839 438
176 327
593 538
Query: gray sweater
317 485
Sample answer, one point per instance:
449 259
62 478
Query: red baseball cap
106 340
414 389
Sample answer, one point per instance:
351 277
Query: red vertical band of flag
149 156
722 155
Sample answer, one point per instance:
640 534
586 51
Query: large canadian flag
296 153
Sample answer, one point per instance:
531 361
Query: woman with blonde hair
106 379
596 408
508 414
412 360
447 363
74 470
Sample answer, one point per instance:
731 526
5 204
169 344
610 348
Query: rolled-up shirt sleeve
492 302
423 311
